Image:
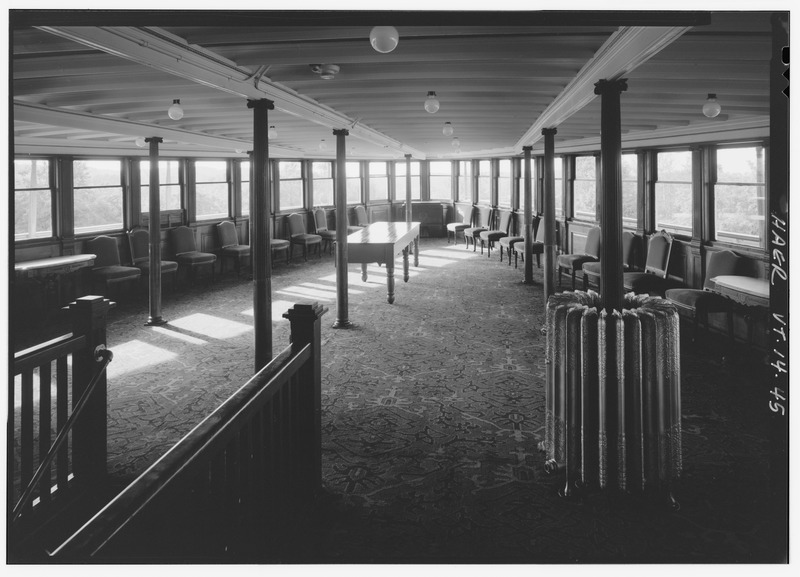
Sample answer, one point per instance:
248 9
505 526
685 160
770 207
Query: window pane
211 189
558 187
673 197
169 181
484 182
739 196
504 183
379 188
32 199
440 168
291 184
97 195
465 181
32 216
321 170
585 188
400 181
244 171
353 172
629 188
322 178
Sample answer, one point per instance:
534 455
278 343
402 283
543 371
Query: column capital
341 132
261 103
527 149
407 156
156 139
549 131
611 86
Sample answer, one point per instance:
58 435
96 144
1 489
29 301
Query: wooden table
49 272
745 290
380 242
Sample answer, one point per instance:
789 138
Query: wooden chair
464 217
571 263
517 246
653 280
482 222
489 237
591 270
107 269
698 303
278 245
186 253
321 228
139 243
230 247
299 236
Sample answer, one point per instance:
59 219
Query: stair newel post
306 328
89 435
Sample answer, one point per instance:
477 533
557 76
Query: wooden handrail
47 352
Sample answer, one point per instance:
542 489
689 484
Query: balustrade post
306 328
89 436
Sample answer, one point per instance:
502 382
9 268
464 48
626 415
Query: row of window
98 189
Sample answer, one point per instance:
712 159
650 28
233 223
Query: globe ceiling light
140 142
712 108
431 103
175 112
272 132
323 145
384 38
447 130
455 142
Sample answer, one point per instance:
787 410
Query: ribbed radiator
613 392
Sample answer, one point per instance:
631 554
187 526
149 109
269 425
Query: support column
340 196
611 281
528 217
408 189
260 233
154 286
549 213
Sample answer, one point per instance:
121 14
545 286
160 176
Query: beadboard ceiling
89 83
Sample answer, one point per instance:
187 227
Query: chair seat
492 235
327 234
699 299
474 230
456 226
574 261
166 266
352 229
195 257
236 250
116 272
508 241
593 268
306 238
648 283
279 244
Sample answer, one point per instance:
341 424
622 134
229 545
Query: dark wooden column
408 188
340 195
260 234
528 217
611 287
549 210
154 286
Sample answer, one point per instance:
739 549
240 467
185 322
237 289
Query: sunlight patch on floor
134 355
212 326
451 252
171 332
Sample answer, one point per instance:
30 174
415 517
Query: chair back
505 221
105 250
139 242
320 220
484 216
361 216
182 238
227 234
296 224
593 243
658 252
464 213
628 248
720 263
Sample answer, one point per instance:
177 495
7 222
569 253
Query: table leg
405 264
364 271
390 280
416 251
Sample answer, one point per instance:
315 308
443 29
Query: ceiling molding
623 52
163 51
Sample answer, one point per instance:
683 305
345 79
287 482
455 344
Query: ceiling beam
168 53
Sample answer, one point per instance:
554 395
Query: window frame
51 189
212 216
739 240
279 180
675 229
105 228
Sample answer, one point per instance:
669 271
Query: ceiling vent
325 71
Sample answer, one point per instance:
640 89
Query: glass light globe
455 142
175 112
140 142
323 145
384 38
712 108
448 129
272 132
431 103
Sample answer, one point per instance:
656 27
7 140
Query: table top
383 233
54 262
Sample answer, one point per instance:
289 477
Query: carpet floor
433 408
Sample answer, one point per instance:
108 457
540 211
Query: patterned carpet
433 408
